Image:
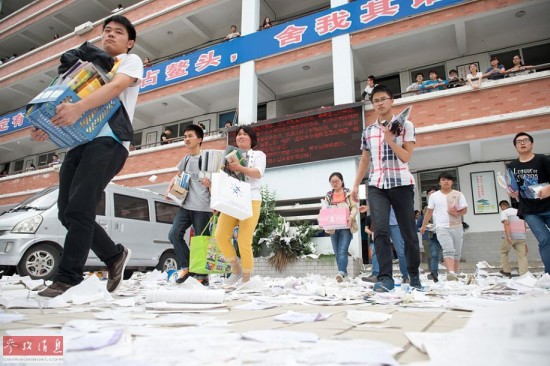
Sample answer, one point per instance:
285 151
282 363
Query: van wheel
40 262
167 261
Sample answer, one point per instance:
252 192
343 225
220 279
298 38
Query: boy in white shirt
447 207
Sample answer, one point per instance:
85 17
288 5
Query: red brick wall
153 160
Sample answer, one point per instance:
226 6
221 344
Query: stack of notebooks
82 79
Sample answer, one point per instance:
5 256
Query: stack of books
82 79
233 153
211 161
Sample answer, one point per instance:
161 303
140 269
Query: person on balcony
435 83
474 77
418 84
371 83
266 23
453 80
496 71
518 68
233 33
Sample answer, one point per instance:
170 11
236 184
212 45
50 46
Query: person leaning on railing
474 77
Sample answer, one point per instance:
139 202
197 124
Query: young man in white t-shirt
515 237
447 207
88 168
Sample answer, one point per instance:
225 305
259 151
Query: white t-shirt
440 204
256 159
132 66
517 225
470 76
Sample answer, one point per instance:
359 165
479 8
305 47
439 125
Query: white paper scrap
359 316
295 317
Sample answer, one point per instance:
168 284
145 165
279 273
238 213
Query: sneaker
395 261
506 274
183 275
339 278
372 278
233 279
116 271
55 289
433 276
384 284
415 282
405 279
451 276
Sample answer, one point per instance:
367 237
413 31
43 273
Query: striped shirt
386 170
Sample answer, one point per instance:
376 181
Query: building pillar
248 81
342 65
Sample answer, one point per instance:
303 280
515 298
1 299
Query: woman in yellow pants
254 171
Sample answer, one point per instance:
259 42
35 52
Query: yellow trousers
224 232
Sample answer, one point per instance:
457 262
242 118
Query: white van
31 236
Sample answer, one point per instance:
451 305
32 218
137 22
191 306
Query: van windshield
40 201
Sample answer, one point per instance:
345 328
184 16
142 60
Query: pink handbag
334 218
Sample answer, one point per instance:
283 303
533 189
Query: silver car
31 236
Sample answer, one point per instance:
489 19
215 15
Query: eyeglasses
381 100
522 141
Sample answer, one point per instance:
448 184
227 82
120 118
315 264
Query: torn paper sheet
291 317
205 296
280 336
359 316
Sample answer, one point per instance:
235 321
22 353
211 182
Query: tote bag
334 218
230 196
205 256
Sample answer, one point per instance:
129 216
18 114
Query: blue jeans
340 245
435 252
183 220
540 225
402 200
399 245
375 266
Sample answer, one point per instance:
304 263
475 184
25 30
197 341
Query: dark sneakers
184 275
55 289
384 284
415 282
433 276
116 271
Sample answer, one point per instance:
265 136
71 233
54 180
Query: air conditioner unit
84 27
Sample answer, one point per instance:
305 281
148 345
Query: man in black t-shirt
532 174
166 136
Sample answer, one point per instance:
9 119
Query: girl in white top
254 171
475 84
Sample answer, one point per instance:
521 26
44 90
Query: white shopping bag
230 196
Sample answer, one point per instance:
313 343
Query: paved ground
215 336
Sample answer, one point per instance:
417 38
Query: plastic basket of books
77 83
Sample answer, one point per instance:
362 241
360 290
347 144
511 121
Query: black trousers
402 201
86 171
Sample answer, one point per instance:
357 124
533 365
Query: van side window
165 212
100 209
128 207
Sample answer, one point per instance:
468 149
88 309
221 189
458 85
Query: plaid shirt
386 170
